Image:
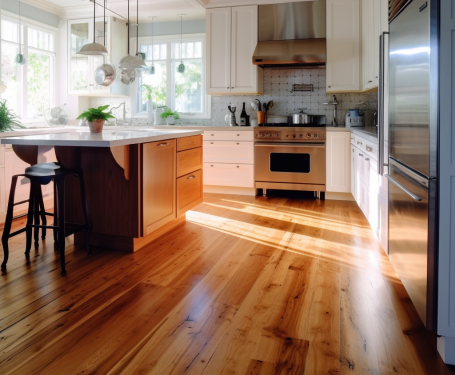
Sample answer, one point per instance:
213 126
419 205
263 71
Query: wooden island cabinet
137 192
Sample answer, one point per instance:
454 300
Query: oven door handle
291 145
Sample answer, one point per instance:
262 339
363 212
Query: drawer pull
367 159
359 143
211 165
238 135
238 166
191 177
212 135
369 148
211 143
238 143
361 155
163 144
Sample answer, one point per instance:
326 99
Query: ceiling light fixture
94 48
181 67
20 59
131 62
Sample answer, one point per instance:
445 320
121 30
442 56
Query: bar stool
42 174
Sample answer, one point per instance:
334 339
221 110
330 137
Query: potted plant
170 116
148 96
96 118
8 120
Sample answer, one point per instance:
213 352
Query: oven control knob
277 135
301 135
260 135
308 135
294 136
315 135
268 135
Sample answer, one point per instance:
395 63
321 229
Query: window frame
23 69
169 40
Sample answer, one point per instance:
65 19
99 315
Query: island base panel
127 244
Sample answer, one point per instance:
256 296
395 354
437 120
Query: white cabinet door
338 162
238 175
228 135
373 192
13 166
218 50
353 172
376 34
343 45
228 152
245 77
384 25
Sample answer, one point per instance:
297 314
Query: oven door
298 163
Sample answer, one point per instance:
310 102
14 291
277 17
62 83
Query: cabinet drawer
238 175
229 135
189 161
189 192
228 152
189 142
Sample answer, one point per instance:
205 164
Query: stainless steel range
290 158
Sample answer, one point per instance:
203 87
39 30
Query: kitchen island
139 183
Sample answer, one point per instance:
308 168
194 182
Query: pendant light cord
104 22
94 24
181 39
137 27
153 46
20 29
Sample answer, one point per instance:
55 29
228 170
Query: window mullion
25 73
169 78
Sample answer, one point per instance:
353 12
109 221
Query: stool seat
42 174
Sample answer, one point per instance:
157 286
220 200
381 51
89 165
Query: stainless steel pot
105 75
302 117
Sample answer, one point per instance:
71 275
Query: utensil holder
261 117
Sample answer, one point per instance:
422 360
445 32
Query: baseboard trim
339 196
230 190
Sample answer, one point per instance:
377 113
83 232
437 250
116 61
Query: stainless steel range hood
291 34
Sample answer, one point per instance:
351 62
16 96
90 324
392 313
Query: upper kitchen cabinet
343 46
232 36
81 68
374 23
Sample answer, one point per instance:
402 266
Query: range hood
291 34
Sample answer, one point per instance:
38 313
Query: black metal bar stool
42 174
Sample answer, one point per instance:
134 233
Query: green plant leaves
8 119
93 114
168 113
148 88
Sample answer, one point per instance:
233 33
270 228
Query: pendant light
94 48
152 69
131 62
20 59
181 67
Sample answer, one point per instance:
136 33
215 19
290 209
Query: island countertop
109 138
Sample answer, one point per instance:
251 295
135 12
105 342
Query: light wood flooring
248 285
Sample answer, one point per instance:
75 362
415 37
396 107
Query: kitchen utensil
105 75
302 117
261 117
254 105
233 120
259 104
353 112
354 121
127 76
269 106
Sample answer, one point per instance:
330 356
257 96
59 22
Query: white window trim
207 114
27 22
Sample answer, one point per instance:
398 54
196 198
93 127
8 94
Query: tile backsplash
277 87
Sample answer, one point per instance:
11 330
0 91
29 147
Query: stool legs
30 217
60 182
55 215
42 211
36 214
8 223
85 207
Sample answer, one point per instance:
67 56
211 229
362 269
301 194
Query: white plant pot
170 120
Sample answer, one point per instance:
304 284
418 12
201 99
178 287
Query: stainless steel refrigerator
412 147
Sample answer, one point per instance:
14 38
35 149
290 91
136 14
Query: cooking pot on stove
302 117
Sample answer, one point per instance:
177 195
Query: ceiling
165 10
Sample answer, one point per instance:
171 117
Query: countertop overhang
109 138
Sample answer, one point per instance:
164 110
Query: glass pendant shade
93 49
20 59
152 69
181 68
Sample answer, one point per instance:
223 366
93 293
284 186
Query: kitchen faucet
124 112
334 103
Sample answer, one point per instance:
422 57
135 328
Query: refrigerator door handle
381 93
408 192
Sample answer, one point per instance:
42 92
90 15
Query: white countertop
109 138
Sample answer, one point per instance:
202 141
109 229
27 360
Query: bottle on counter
243 116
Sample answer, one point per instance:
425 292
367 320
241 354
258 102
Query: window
31 87
182 92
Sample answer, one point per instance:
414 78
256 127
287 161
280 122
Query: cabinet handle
238 166
361 155
369 148
227 88
359 143
211 165
367 159
376 76
231 87
191 177
238 143
370 81
212 135
163 144
211 143
329 87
